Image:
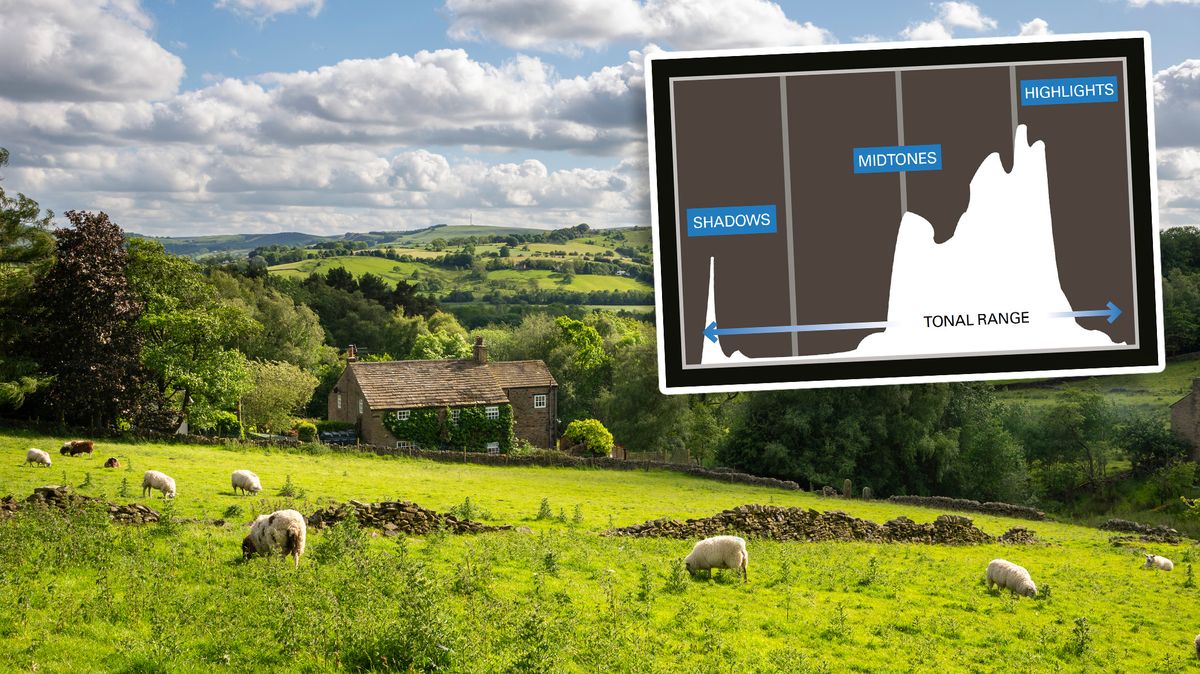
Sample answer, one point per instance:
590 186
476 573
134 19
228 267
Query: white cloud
1177 105
94 50
950 16
442 97
1143 3
569 25
262 10
1035 26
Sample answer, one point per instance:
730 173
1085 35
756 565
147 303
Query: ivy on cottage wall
474 430
434 428
423 427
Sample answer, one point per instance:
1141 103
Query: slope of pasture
516 278
1146 393
82 596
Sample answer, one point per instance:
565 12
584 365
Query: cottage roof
521 373
403 384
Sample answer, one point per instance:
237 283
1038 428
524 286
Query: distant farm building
367 394
1185 419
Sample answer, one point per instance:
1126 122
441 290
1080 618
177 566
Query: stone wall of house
536 426
1185 419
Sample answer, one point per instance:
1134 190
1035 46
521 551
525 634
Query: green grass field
80 595
504 279
1148 393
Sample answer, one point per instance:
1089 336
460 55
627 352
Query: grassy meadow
80 595
510 279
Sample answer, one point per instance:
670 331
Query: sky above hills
244 116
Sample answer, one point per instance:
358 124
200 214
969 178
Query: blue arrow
1112 312
712 331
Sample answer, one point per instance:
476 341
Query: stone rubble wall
987 507
396 517
62 497
1159 533
798 524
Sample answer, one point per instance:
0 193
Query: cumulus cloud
950 16
441 97
1035 26
261 10
1143 3
91 50
1177 104
568 25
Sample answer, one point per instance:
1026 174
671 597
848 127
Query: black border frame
1133 49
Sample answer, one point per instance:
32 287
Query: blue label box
730 220
897 158
1069 90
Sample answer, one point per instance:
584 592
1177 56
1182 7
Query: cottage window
493 448
539 401
339 401
406 444
455 414
492 412
402 415
360 405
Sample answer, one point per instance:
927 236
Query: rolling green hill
1148 393
80 595
504 279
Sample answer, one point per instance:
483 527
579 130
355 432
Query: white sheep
719 552
246 481
1008 575
283 531
37 456
1157 562
153 479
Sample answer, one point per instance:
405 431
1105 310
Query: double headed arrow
711 331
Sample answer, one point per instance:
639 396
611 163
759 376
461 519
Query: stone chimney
351 353
480 351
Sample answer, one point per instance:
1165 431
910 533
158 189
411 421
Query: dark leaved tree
85 334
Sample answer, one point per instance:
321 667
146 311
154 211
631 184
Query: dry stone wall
62 497
798 524
396 517
1158 534
987 507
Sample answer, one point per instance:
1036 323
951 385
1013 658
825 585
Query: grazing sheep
246 481
719 552
1008 575
1156 562
153 479
112 462
73 447
37 456
283 531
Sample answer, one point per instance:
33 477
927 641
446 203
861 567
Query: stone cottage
367 392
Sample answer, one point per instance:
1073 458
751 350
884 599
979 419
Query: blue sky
274 115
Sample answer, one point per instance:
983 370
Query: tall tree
86 335
279 391
189 333
26 251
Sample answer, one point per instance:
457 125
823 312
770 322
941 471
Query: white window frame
339 401
402 415
406 444
493 448
360 406
455 414
539 398
492 412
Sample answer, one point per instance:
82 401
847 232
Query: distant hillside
199 246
